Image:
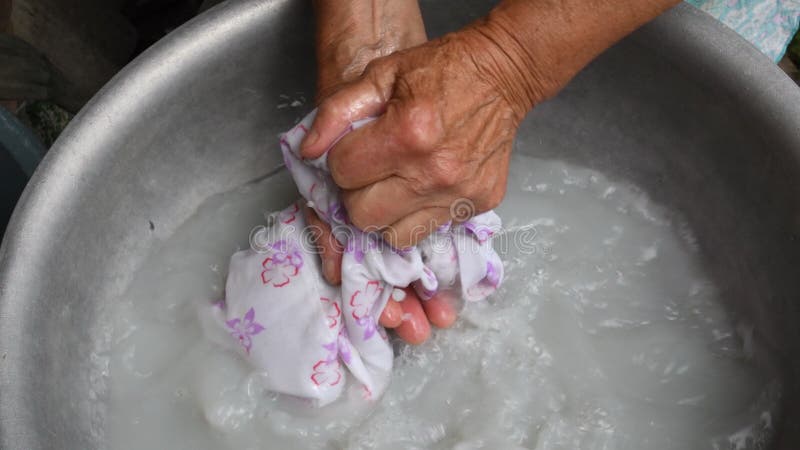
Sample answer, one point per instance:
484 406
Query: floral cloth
767 24
302 334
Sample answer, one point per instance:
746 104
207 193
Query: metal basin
683 108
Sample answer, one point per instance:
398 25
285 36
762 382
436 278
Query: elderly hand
445 128
447 112
350 34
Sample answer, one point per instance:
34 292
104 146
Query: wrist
508 64
351 33
536 47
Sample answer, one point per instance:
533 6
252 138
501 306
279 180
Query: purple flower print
445 227
333 350
369 326
402 251
426 293
283 263
343 340
429 275
337 213
353 248
492 276
356 248
480 231
245 328
423 290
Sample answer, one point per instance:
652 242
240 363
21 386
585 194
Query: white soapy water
605 335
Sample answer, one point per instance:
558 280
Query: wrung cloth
302 334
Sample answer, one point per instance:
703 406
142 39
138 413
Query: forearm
549 41
350 33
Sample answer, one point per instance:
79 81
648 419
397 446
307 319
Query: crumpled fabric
767 24
305 336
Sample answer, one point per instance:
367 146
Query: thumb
361 99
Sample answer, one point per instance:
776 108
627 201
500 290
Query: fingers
329 248
417 315
415 227
392 315
363 98
404 137
366 155
441 309
414 328
383 203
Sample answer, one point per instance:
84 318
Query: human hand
447 113
345 45
351 33
448 110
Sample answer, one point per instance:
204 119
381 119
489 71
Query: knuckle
420 127
364 217
376 65
338 171
444 171
330 108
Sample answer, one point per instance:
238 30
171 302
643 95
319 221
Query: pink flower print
363 299
245 328
333 311
366 393
283 264
289 215
369 326
326 373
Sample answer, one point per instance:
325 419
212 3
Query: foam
606 334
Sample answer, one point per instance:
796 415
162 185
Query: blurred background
55 54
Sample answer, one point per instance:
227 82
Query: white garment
301 332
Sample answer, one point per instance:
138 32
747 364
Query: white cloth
301 332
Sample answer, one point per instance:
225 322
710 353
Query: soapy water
606 334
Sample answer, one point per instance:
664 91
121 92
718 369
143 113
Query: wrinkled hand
447 110
443 137
346 43
439 149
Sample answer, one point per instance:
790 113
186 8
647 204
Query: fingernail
398 295
311 138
